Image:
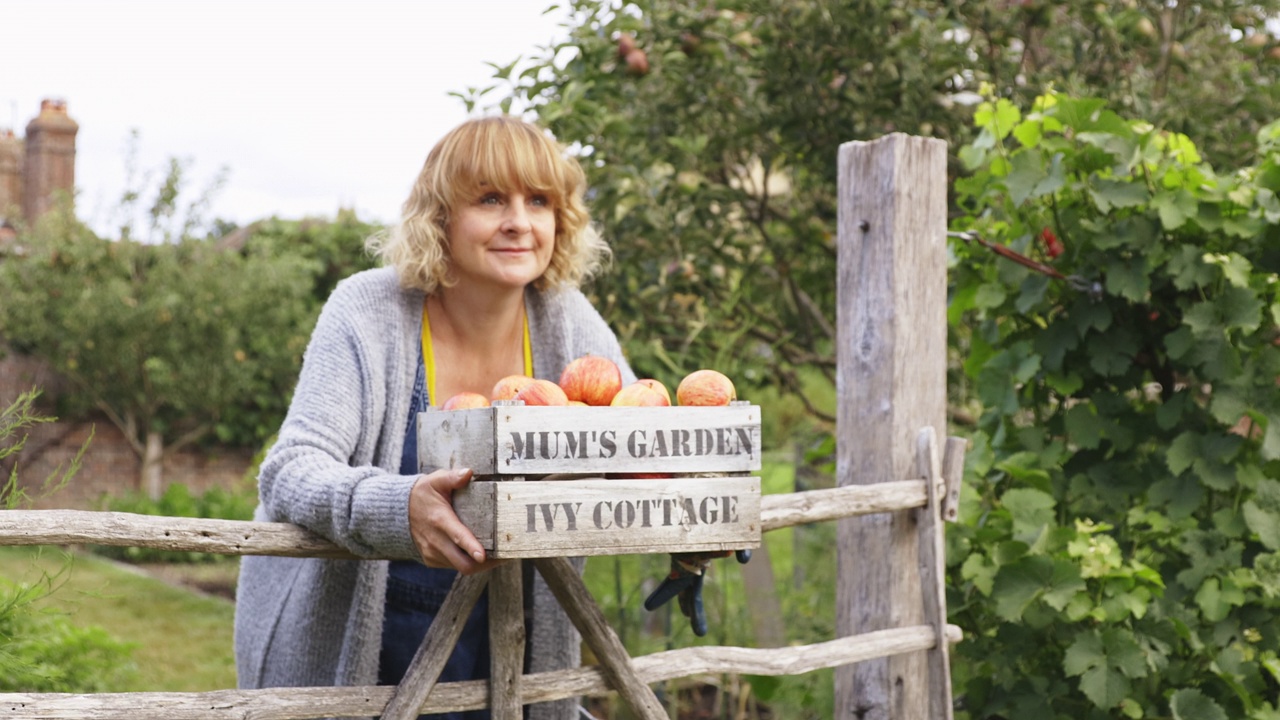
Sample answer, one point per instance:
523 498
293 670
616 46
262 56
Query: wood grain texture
225 537
610 517
891 381
424 670
953 476
615 663
932 574
235 537
304 703
506 641
542 440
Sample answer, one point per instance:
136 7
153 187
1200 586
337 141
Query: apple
637 62
542 392
705 388
577 403
507 387
657 385
626 43
591 379
465 400
638 395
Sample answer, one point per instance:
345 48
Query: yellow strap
429 360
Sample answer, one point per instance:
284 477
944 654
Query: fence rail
79 527
239 537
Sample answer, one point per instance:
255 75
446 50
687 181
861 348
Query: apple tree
166 340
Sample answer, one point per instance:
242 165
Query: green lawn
182 639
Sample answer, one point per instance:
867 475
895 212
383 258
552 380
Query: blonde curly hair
502 153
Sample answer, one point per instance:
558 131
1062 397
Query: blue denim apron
415 593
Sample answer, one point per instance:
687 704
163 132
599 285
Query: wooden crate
695 495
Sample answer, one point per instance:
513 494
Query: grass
182 639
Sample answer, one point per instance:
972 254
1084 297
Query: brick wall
110 466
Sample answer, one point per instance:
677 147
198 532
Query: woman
481 284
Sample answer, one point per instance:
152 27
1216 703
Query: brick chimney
50 158
10 175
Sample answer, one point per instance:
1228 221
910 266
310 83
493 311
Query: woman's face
502 239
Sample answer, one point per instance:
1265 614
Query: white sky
309 105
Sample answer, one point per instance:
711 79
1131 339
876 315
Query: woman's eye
492 198
540 200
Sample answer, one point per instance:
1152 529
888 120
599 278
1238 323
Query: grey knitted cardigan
334 470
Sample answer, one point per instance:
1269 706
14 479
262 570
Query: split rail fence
895 488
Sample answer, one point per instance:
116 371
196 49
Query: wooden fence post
891 382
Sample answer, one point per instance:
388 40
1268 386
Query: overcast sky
310 106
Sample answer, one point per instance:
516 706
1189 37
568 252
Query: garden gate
894 489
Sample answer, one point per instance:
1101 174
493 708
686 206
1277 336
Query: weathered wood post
891 382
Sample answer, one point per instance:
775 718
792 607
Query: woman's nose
516 221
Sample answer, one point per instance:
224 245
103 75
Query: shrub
1119 553
177 501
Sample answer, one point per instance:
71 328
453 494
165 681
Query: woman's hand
442 539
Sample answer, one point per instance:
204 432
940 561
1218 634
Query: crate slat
521 440
612 516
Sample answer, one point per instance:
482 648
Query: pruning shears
685 583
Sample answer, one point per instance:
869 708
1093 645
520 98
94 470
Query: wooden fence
895 488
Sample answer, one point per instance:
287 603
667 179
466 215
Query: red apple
705 387
637 62
657 385
465 400
542 392
626 43
637 394
592 379
507 387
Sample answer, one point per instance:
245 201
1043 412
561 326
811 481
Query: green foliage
713 173
164 339
1117 556
177 501
15 420
333 249
42 651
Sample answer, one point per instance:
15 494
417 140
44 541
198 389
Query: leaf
1240 308
1034 577
1262 513
1188 268
1083 426
1129 279
1031 293
981 571
998 119
1182 452
1192 704
990 295
1216 598
1024 175
1105 662
1077 113
1031 510
1174 208
1028 133
1104 686
1084 654
1108 194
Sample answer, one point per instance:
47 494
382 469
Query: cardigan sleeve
321 472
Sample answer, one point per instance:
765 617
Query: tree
709 134
165 340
